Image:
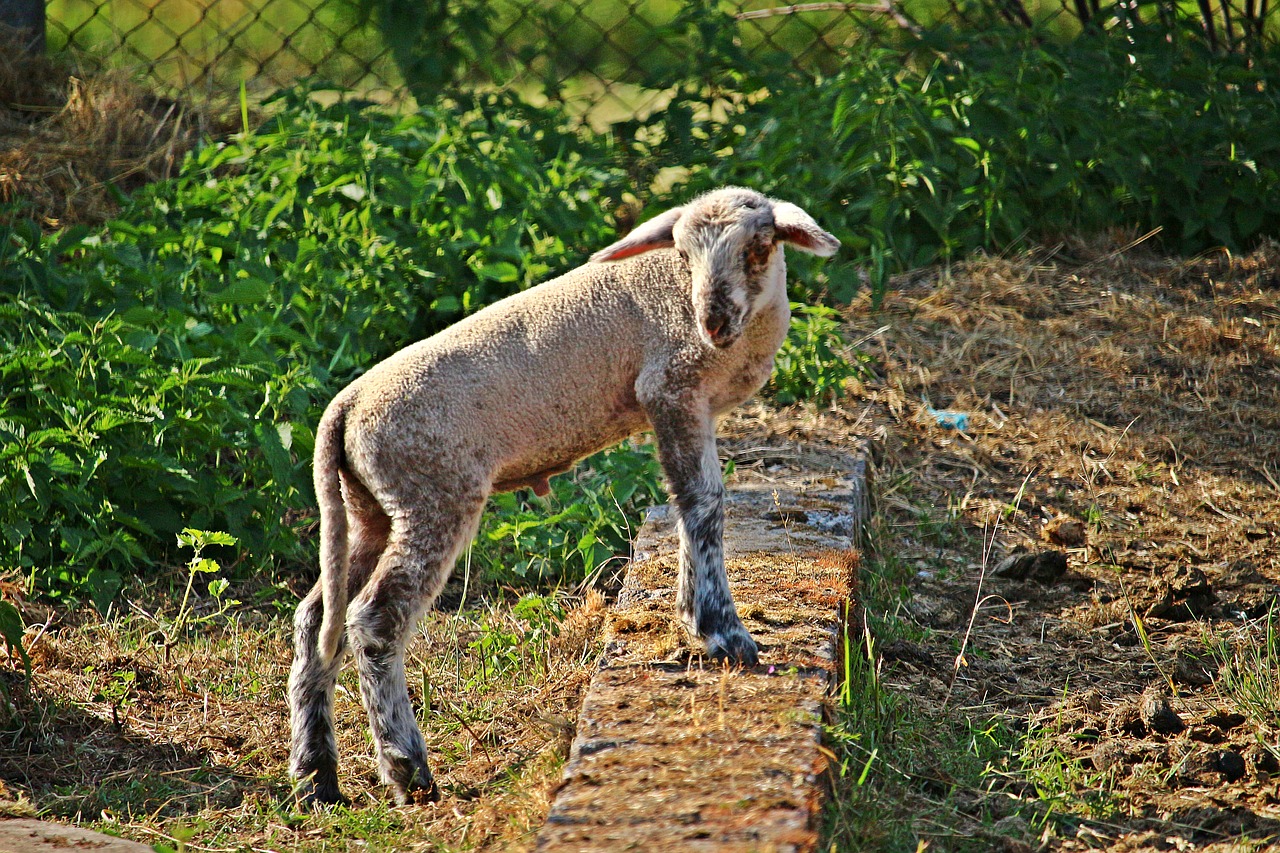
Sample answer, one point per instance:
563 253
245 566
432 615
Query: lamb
666 329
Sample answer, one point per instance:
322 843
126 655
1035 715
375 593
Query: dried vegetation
154 741
74 141
1113 508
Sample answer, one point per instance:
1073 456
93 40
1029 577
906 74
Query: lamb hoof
417 795
733 646
424 795
417 788
317 792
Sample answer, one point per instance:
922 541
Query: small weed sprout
979 598
1145 638
186 617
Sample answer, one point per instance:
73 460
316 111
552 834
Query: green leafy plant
169 371
198 541
979 140
11 631
518 638
811 365
587 521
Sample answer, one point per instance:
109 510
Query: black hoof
316 791
733 646
418 786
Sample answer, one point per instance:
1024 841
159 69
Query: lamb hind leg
313 754
687 447
419 556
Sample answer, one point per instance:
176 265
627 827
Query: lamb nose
719 332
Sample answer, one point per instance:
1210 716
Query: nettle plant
814 362
168 371
587 521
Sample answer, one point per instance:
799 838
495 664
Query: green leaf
242 292
204 566
11 630
502 271
103 586
278 459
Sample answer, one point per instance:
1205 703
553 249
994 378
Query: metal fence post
26 17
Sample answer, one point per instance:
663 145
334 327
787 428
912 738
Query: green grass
909 772
1064 784
1248 664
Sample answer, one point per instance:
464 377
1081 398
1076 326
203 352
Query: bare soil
1112 507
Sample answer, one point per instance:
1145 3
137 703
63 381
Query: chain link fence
590 53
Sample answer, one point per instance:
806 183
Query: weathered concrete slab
677 753
27 835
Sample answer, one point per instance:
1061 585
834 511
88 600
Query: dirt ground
1112 503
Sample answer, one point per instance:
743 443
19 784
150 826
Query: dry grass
74 141
1137 397
157 743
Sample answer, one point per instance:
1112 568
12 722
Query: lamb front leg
687 449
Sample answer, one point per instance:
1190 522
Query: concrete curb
677 753
27 835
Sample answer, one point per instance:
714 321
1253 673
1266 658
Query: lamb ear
792 225
645 237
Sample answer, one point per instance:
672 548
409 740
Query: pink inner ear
813 240
657 233
628 251
798 236
793 225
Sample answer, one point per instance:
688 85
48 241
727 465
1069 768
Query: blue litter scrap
950 420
